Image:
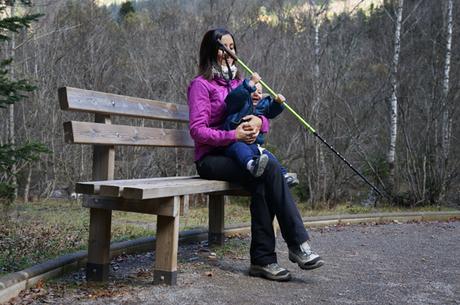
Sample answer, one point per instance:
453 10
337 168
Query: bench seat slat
176 188
115 190
100 102
108 134
93 187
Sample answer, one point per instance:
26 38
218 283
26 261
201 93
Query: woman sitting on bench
270 195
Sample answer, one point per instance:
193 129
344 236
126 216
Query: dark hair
208 51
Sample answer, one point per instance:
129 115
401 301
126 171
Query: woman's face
227 41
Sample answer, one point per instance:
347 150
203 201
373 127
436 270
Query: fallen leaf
40 284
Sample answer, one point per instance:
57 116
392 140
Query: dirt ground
414 263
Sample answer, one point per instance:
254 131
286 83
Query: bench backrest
105 135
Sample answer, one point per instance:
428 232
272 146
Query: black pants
270 197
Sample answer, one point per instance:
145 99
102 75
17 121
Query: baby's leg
248 156
291 181
241 152
272 157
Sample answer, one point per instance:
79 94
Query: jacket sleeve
237 98
269 108
265 124
200 117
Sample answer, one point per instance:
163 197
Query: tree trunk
394 99
35 100
11 127
322 182
446 129
27 186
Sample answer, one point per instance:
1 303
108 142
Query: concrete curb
12 284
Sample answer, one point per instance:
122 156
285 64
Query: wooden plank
87 188
114 187
167 236
106 134
75 99
93 187
158 206
177 188
115 190
216 208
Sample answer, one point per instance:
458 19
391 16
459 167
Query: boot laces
274 267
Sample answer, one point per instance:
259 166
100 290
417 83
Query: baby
244 100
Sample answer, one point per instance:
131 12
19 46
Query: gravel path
415 263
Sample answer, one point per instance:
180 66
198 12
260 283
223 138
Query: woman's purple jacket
207 109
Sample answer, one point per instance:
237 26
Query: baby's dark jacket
239 104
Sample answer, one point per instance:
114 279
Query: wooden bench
165 196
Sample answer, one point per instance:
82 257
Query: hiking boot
258 165
305 258
271 271
291 181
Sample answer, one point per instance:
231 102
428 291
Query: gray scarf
224 72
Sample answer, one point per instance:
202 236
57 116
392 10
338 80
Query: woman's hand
249 130
254 122
244 135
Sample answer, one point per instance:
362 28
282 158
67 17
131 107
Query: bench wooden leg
216 220
167 240
97 268
165 271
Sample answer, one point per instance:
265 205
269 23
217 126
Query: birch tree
318 12
446 121
322 186
394 99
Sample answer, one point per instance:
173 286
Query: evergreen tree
12 91
126 8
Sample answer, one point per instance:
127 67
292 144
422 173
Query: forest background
378 80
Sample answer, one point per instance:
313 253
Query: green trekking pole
308 126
